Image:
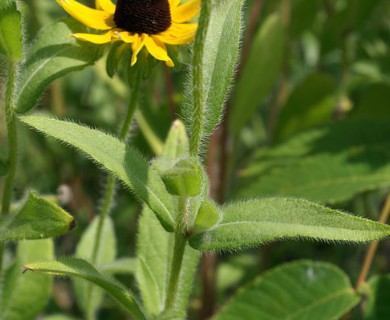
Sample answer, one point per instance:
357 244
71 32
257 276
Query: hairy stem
199 99
109 193
178 253
12 146
12 139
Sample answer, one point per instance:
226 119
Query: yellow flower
142 23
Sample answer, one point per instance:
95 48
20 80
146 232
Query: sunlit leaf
38 218
53 54
82 269
123 161
11 40
255 222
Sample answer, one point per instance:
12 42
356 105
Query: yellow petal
168 39
158 50
186 12
136 46
92 18
94 38
174 3
181 29
105 5
125 36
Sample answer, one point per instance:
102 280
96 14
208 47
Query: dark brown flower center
143 16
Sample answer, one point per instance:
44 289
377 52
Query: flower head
141 23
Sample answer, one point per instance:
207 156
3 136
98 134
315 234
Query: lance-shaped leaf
123 161
37 219
254 222
221 55
11 42
82 269
294 291
90 299
219 61
54 54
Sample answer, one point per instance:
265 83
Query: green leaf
120 266
259 73
255 222
184 178
25 296
38 218
176 144
311 103
298 290
11 39
328 164
220 59
53 55
152 262
122 160
208 216
377 291
105 255
154 254
82 269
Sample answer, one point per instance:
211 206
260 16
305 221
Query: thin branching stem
12 145
369 258
109 194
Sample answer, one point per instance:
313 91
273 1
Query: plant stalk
178 253
109 193
12 146
199 99
369 258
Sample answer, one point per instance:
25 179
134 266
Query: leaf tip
72 224
26 268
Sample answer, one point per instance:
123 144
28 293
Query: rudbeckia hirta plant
141 23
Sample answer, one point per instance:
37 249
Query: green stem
12 139
198 115
12 146
109 194
178 253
